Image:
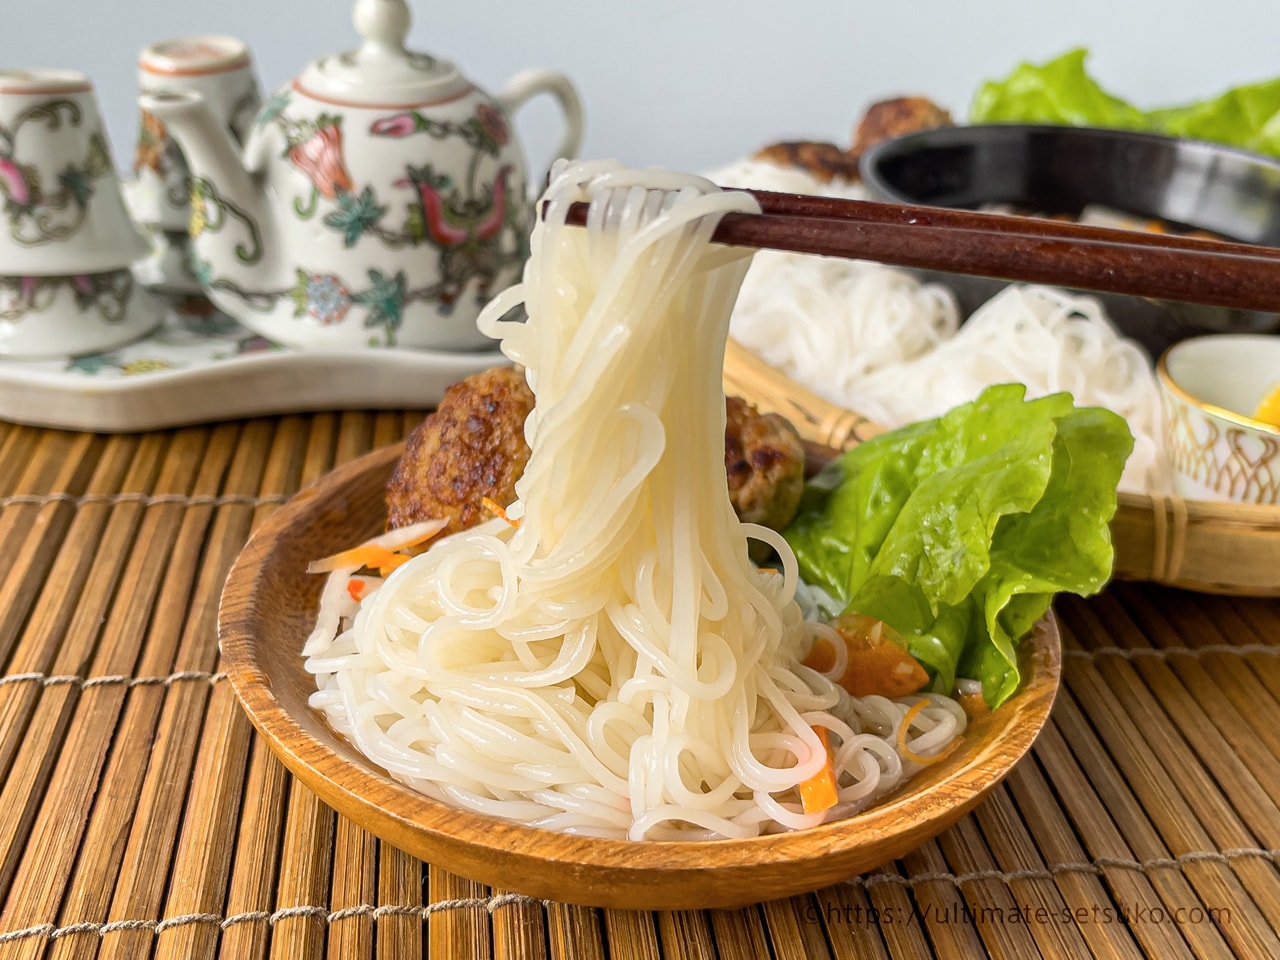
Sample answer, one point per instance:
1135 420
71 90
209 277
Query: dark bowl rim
868 165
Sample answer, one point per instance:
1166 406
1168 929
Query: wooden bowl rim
435 831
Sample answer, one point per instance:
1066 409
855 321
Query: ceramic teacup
1210 387
62 211
220 70
60 316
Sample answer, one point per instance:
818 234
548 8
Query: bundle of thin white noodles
611 663
1048 339
874 339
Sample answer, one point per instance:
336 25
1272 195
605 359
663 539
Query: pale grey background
689 85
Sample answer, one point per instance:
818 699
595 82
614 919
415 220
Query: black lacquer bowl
1056 170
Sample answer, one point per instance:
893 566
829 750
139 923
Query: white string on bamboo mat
1134 653
490 904
51 680
146 499
322 914
1096 867
106 680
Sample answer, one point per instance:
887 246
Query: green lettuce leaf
1247 116
958 531
1061 91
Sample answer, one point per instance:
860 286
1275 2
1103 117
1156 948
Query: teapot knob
382 23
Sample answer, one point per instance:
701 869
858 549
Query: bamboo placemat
140 816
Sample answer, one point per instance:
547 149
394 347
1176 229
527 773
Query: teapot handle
528 84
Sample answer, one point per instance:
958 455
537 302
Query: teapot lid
382 72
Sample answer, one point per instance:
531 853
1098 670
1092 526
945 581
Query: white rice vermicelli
874 339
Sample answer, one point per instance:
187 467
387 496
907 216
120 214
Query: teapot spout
231 224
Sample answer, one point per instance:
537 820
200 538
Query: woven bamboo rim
1226 548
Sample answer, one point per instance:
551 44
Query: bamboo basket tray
1225 548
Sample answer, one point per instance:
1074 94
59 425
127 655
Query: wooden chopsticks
1024 249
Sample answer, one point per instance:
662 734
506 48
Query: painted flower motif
193 306
199 221
85 291
107 293
384 299
91 363
202 270
255 344
145 365
355 215
320 158
446 218
210 326
78 184
17 296
153 139
86 288
322 296
493 123
397 125
78 181
272 108
16 184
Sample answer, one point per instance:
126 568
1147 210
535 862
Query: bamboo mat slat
261 825
866 943
575 931
399 933
65 745
140 816
459 919
686 935
1184 801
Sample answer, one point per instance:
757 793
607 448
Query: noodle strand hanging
611 662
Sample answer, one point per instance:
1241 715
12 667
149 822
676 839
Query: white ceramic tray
201 365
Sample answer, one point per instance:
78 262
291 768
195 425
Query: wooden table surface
140 815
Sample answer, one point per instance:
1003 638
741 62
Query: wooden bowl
267 610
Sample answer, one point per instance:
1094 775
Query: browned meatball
886 119
823 161
764 460
472 447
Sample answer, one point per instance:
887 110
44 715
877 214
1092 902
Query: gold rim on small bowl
1213 409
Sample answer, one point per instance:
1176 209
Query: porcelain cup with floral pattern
43 317
62 211
220 70
380 199
1210 387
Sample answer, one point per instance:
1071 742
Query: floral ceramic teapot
380 198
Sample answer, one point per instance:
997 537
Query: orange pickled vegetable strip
355 589
366 555
818 793
498 511
393 561
907 753
382 550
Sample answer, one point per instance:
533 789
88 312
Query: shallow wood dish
267 610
